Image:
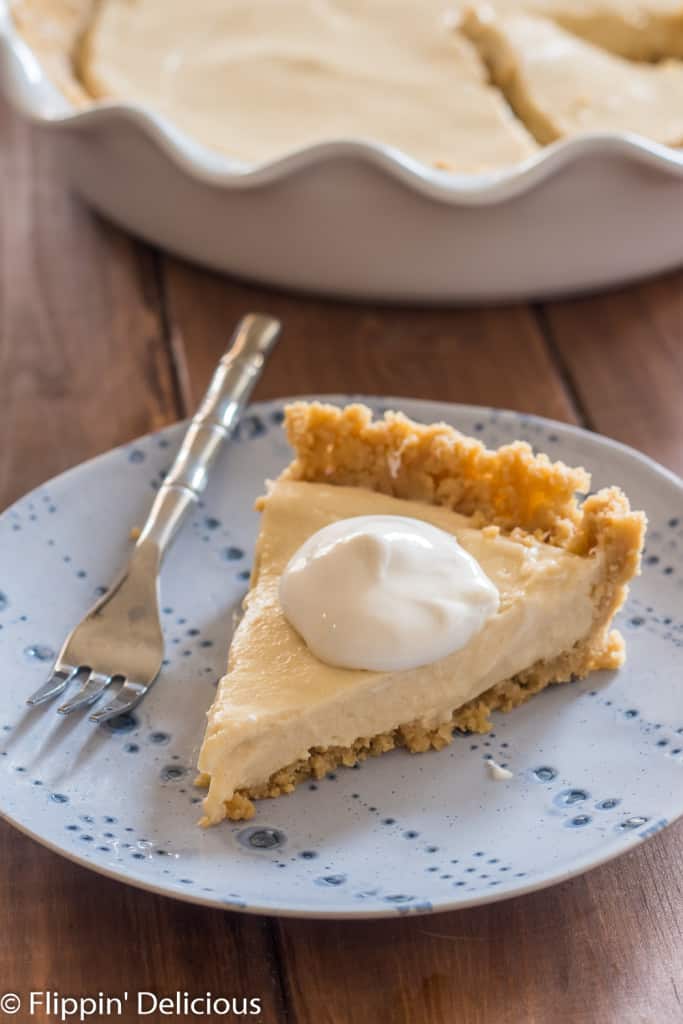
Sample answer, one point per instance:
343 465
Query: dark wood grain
82 362
84 365
624 353
489 357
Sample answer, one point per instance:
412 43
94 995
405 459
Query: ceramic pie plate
362 220
597 765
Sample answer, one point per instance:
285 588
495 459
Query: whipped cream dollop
385 593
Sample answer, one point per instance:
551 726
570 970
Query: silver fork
120 639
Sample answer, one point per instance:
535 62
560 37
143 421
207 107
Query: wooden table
102 339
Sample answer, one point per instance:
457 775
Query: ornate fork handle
211 427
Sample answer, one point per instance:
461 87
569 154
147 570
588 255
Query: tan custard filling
560 85
278 701
257 80
465 86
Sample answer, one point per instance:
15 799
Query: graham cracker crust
473 717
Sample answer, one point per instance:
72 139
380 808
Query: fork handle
211 427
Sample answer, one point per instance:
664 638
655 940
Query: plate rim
584 864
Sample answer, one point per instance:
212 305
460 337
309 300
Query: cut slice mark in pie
639 30
560 85
561 568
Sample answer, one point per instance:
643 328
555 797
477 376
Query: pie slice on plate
561 568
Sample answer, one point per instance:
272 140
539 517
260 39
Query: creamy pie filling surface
262 720
471 88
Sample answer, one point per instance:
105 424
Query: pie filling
281 713
464 89
560 85
260 722
640 30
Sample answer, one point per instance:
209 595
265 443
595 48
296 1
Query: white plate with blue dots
597 765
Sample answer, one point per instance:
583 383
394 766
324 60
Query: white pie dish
361 220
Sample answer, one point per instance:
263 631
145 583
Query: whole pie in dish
465 87
561 567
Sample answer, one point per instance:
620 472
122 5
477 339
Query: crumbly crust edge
473 717
509 486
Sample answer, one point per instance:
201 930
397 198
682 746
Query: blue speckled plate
598 765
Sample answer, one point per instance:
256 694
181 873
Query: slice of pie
561 568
